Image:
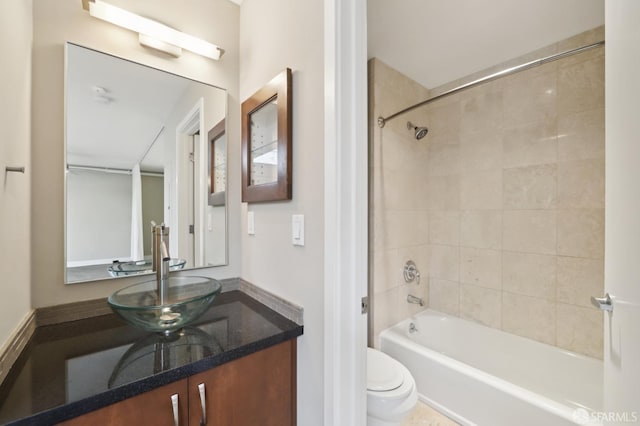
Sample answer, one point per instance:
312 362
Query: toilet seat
391 390
386 377
383 373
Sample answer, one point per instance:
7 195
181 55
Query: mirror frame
216 198
282 188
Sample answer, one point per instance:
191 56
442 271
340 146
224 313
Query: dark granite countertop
73 368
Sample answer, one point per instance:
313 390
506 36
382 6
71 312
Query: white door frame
345 210
190 124
622 218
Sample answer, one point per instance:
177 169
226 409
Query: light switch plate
297 229
251 225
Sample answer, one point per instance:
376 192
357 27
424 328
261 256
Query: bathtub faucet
413 299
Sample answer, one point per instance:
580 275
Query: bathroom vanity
236 365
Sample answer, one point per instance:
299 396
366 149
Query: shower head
419 132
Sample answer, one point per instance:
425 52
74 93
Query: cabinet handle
176 410
203 405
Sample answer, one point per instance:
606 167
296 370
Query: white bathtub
482 376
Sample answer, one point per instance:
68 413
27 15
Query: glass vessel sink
186 299
121 269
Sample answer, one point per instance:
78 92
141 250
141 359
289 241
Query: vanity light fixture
151 33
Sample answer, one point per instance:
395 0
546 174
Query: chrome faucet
413 299
160 259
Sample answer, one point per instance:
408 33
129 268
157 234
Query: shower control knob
411 272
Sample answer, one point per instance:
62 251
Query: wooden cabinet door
149 408
258 389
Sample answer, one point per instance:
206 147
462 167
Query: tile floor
423 415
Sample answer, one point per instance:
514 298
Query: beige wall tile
481 267
532 187
529 317
481 305
482 110
444 159
530 144
400 190
398 149
386 272
579 279
405 228
481 151
444 193
530 96
581 184
385 310
581 135
399 179
444 296
376 233
481 191
529 231
444 121
529 274
581 233
444 262
481 229
444 227
581 86
581 330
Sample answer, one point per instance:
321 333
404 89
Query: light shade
150 28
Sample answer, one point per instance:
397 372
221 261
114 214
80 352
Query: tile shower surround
501 205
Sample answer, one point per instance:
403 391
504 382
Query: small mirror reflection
264 144
220 164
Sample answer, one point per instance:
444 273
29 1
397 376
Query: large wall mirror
137 151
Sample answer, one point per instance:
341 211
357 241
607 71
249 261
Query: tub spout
413 299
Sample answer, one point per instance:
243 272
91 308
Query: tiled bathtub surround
399 220
513 207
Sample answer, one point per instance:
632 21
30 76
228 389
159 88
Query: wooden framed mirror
217 164
266 142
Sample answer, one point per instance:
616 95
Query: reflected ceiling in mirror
137 151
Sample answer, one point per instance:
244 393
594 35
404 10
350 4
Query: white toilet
391 390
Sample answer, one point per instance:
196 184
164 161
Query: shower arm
508 71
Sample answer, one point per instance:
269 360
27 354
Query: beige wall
58 21
277 34
15 150
515 200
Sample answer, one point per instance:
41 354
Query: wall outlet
297 229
